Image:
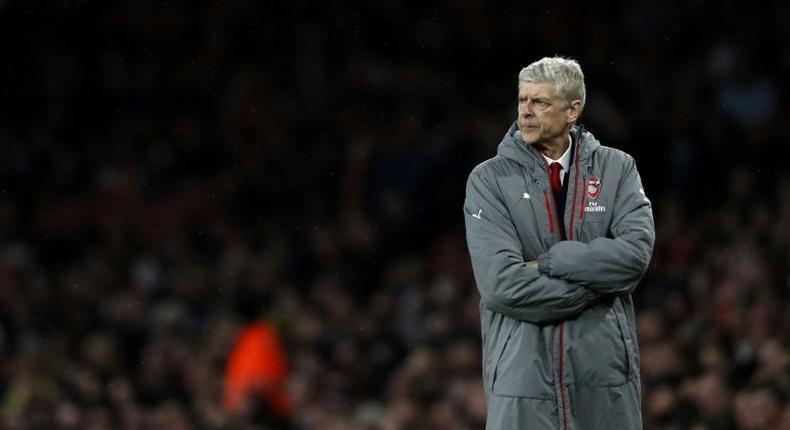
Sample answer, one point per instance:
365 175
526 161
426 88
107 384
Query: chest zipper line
575 191
581 208
561 364
562 382
548 211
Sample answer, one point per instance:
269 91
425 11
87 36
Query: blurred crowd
171 173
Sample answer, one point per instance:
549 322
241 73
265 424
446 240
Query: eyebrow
536 96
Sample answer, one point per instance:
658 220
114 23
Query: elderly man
559 232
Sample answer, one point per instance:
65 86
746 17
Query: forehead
538 89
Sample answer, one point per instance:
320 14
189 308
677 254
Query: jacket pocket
524 366
596 350
621 327
494 345
626 320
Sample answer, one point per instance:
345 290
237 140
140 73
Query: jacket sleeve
506 284
610 265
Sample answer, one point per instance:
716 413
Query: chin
529 137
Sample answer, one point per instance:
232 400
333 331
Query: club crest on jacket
593 187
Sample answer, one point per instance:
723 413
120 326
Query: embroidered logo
594 207
593 187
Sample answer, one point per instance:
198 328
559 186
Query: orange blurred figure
257 369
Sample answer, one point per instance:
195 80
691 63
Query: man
560 233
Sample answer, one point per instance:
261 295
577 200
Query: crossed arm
571 275
610 265
507 284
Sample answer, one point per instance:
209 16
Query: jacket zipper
562 382
562 325
581 208
561 364
575 190
548 211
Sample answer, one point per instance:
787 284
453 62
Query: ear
574 110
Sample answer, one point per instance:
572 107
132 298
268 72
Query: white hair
565 73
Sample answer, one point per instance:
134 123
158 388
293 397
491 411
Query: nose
524 110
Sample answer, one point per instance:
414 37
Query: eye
541 103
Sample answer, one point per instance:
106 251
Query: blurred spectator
256 374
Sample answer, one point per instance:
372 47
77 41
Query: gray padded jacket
560 337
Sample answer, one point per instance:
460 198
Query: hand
533 264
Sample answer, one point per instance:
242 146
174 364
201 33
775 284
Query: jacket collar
514 147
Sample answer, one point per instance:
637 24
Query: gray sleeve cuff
544 263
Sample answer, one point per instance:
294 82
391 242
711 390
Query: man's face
542 115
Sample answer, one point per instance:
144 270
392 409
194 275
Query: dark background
170 169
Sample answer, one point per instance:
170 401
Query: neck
556 147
